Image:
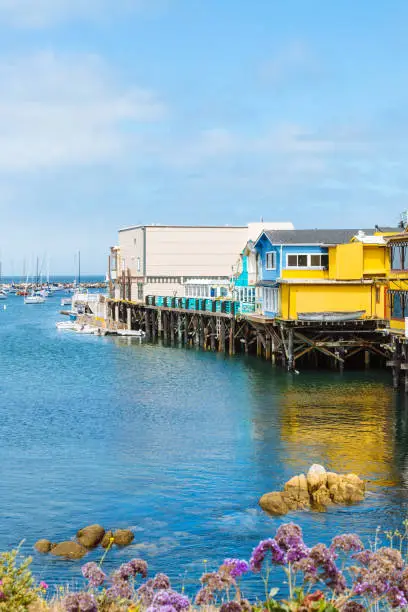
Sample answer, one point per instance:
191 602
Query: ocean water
178 445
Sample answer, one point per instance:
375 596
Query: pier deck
222 327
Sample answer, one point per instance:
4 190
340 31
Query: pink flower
43 585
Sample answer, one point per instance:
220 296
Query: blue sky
118 112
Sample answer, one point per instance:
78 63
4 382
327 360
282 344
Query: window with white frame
245 294
270 263
138 264
303 260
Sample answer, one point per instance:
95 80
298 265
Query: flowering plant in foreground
341 577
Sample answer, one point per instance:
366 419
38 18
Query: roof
159 225
316 236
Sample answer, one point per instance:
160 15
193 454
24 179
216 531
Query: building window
270 300
398 304
140 291
134 242
138 264
270 261
318 260
377 295
297 261
399 257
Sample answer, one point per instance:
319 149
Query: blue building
282 255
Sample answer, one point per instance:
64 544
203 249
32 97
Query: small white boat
71 325
332 317
138 333
66 302
3 295
34 299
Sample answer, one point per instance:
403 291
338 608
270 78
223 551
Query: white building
196 261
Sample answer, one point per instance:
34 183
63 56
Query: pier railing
224 306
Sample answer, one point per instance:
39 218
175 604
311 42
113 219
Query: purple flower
396 598
204 597
347 542
231 606
290 539
288 535
139 567
308 568
364 557
80 602
93 574
324 560
353 606
119 590
171 598
236 567
161 581
258 554
145 593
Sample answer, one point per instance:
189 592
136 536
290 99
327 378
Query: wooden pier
291 344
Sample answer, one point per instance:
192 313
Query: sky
120 112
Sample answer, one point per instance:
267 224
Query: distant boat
331 317
66 301
3 295
34 299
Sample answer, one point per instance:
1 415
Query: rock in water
90 536
316 477
43 546
106 539
295 494
274 503
69 550
317 491
123 537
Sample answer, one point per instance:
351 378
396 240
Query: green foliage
300 602
17 585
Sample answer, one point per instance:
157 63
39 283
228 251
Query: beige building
178 260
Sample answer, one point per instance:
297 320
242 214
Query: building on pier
178 261
398 280
305 271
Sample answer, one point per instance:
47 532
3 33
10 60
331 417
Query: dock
220 326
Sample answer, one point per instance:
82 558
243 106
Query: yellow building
397 303
354 280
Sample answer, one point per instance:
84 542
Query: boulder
123 537
321 498
316 477
90 536
274 503
295 493
106 539
332 479
348 490
43 546
69 550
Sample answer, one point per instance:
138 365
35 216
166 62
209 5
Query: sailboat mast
37 275
79 267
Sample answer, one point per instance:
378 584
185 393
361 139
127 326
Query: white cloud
41 13
57 111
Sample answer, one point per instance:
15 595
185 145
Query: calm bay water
178 445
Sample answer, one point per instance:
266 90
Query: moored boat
34 299
331 316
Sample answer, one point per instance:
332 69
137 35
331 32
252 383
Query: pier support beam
129 317
291 361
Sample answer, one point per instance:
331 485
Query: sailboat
3 294
35 297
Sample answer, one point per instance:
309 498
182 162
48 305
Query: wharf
221 326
